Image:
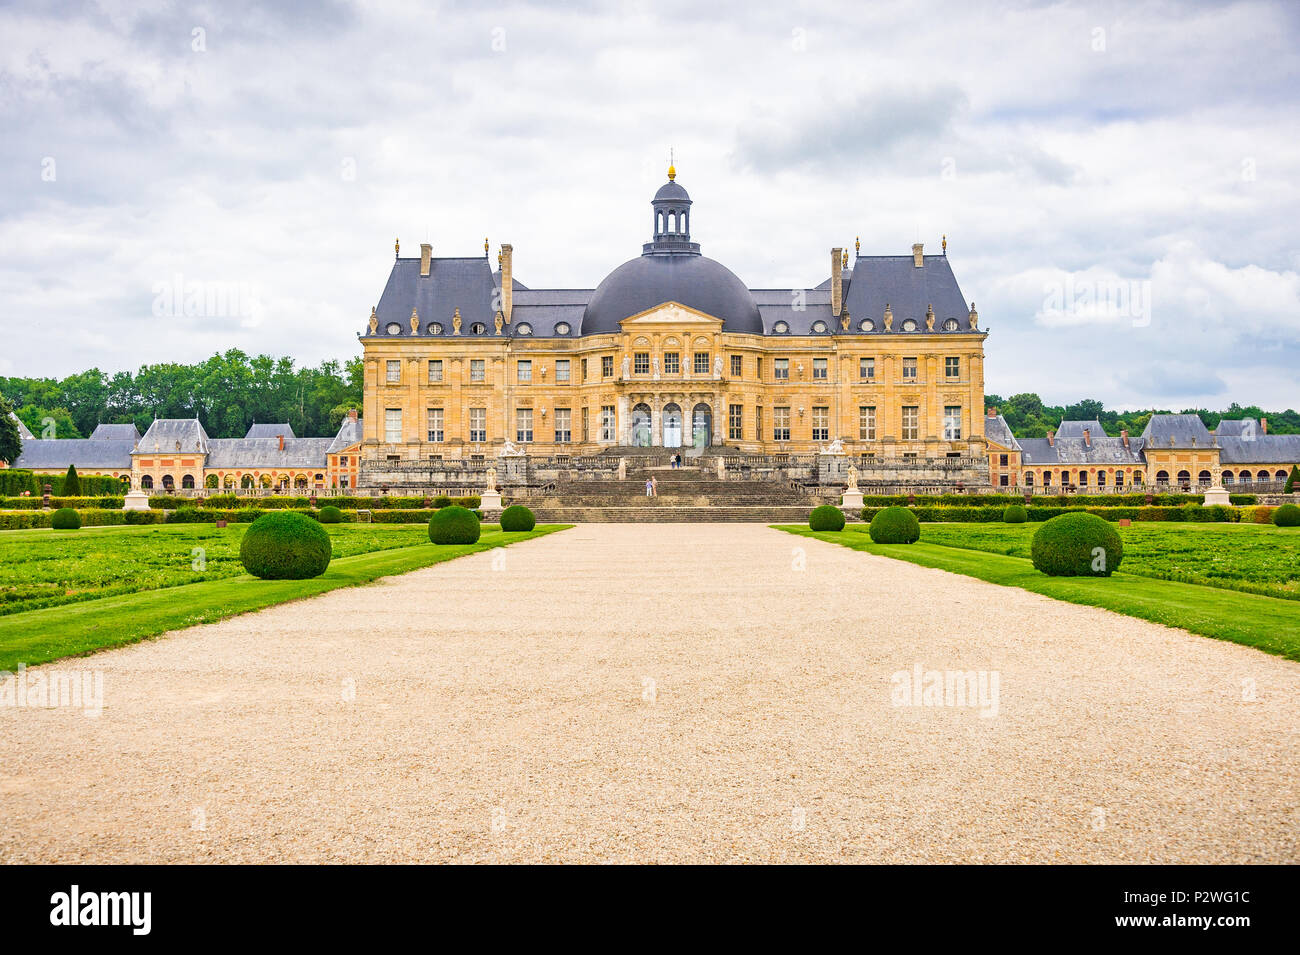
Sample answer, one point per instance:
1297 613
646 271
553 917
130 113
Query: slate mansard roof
1247 442
270 431
671 269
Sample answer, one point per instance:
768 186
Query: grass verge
39 636
1266 623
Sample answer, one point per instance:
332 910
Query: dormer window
950 325
866 325
781 328
523 328
819 328
562 328
393 328
478 328
909 325
435 328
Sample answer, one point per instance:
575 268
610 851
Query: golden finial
857 245
500 259
844 259
397 247
945 243
485 245
672 170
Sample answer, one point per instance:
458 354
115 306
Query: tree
71 483
1292 480
11 442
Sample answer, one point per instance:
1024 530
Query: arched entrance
641 426
672 426
701 426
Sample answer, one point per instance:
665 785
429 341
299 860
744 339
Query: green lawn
95 623
1254 558
1267 623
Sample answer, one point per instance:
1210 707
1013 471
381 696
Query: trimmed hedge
285 546
454 525
976 515
1288 515
1015 514
281 502
1077 545
517 518
35 503
827 517
329 514
895 525
65 519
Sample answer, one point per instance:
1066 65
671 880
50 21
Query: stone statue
974 316
929 318
455 322
654 362
889 318
374 321
500 322
853 478
835 447
491 479
717 366
844 321
626 361
510 450
415 322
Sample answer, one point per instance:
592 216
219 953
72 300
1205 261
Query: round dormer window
562 328
394 328
909 325
781 328
478 328
435 328
523 328
819 327
950 325
866 325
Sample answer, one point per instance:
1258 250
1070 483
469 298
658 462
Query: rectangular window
701 363
866 368
586 425
735 422
952 423
435 425
1002 460
781 423
1047 479
1065 477
1002 481
758 373
952 367
911 422
393 425
478 424
524 425
672 363
607 366
435 371
607 422
477 369
394 372
563 425
819 368
867 423
525 371
562 370
781 369
737 366
821 423
758 420
1083 479
641 363
909 367
584 369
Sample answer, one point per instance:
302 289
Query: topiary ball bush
516 517
895 525
1015 514
454 525
65 519
828 517
329 514
441 501
1077 545
1288 515
284 545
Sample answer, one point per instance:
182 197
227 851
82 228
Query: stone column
656 422
622 425
716 437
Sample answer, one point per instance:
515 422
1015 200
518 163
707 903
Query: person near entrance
649 488
654 487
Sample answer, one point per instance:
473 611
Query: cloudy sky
1119 182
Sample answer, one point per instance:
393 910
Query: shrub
1288 515
1015 514
71 484
827 517
187 514
285 546
454 525
516 517
329 514
1077 545
1263 515
441 501
65 519
895 525
1292 480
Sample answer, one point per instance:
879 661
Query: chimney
507 280
352 414
837 281
1263 426
426 253
281 437
1124 434
918 254
1087 437
1051 439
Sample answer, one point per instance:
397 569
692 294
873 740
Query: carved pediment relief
671 313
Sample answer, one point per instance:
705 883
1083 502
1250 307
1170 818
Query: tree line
227 393
1028 417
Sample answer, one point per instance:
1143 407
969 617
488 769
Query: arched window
1279 475
1047 479
1203 479
1227 478
1083 479
1245 477
672 222
246 482
1184 478
1262 476
146 482
1029 479
1119 478
1137 478
1101 479
659 223
187 482
1162 477
168 482
300 481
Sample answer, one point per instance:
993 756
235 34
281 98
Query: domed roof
653 279
671 191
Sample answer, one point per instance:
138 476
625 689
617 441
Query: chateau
881 364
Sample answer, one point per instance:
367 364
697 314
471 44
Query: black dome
672 192
653 279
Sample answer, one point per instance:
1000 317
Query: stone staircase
687 494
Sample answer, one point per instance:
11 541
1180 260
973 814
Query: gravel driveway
661 693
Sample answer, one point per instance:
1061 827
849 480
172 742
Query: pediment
671 313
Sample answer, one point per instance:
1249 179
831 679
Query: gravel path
661 693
